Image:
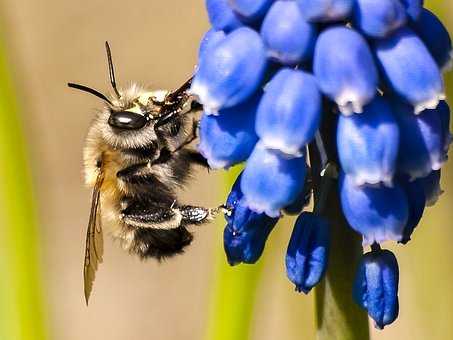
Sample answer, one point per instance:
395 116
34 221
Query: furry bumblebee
136 155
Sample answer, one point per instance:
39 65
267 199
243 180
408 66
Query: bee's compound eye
127 120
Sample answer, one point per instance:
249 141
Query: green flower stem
21 316
234 289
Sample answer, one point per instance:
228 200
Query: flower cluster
271 73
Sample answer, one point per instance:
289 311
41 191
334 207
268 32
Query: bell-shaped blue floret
421 145
416 199
325 10
379 213
250 11
308 251
435 36
443 111
344 68
410 70
231 72
289 39
221 16
229 138
376 286
247 231
290 111
271 181
301 201
368 143
209 40
431 187
413 8
378 19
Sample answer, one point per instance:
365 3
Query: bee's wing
94 247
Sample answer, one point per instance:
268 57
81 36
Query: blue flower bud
378 19
229 138
431 187
416 199
344 68
435 36
247 231
290 112
221 16
379 213
413 8
410 70
288 37
368 144
250 10
325 10
421 148
308 251
209 40
271 181
232 72
443 111
376 286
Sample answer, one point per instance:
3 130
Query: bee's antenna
111 69
90 90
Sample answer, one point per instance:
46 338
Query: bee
137 153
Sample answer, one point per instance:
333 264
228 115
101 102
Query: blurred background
44 205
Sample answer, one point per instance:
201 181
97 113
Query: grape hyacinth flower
291 88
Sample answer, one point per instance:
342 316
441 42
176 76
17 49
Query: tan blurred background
155 43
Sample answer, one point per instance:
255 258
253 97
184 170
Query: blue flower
250 11
378 19
221 16
413 8
325 10
368 143
431 187
289 41
308 251
416 199
229 138
233 71
376 286
247 231
271 180
290 111
209 40
379 213
421 144
344 68
410 70
435 36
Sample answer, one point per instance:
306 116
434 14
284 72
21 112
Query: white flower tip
279 145
349 103
449 64
201 93
430 104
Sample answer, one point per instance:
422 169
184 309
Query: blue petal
443 111
301 201
250 10
290 111
271 181
368 143
229 138
247 231
431 187
378 213
288 37
209 40
231 72
416 199
308 251
421 145
221 16
435 36
376 286
413 8
410 70
325 10
378 19
344 68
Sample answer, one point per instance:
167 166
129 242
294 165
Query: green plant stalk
21 316
234 290
337 316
